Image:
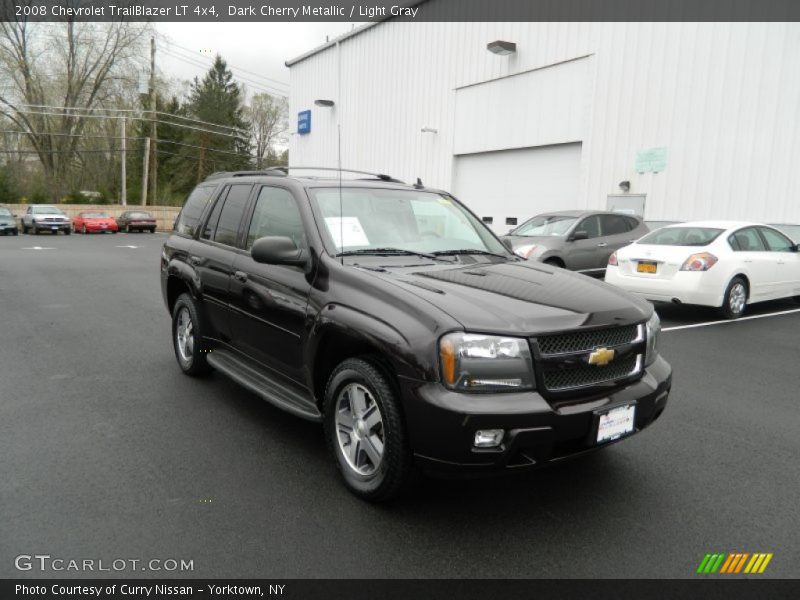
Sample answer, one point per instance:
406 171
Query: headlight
526 251
475 362
653 328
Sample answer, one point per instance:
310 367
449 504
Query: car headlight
526 250
653 328
476 362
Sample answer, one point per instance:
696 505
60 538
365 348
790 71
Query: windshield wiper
390 252
469 251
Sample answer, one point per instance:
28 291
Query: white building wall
724 98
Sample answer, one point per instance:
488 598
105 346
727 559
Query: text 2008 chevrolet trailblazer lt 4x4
392 315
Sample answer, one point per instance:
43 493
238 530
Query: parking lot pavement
108 451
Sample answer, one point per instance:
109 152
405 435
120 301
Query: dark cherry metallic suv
392 315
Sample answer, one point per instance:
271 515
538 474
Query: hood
518 298
548 241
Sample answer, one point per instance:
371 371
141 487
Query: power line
130 110
170 42
261 87
90 116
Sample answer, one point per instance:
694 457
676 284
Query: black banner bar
713 588
409 10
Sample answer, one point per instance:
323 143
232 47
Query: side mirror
277 250
795 248
579 235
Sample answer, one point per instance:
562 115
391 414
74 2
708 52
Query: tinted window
213 218
276 213
591 225
777 242
682 236
189 218
632 223
231 216
747 240
614 224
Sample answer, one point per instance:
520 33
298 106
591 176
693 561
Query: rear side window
231 216
747 240
192 211
682 236
276 214
614 224
632 223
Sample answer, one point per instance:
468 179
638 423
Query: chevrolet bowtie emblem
601 357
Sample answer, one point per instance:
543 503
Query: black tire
67 231
83 231
152 230
555 262
24 228
395 471
192 362
733 305
15 232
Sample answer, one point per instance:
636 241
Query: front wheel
67 231
188 329
365 432
734 301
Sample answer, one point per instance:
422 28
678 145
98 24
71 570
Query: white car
712 263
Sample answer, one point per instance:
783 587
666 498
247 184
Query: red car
94 222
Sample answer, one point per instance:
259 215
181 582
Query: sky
255 52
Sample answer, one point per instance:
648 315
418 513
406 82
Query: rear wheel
188 329
365 432
734 301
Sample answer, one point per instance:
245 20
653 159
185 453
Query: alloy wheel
737 298
359 429
184 334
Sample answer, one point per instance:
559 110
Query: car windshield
4 212
793 231
545 225
682 236
46 210
391 221
95 215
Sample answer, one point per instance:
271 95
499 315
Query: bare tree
268 118
55 75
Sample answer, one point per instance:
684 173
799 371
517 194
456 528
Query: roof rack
283 171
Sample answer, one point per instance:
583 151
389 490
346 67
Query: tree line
70 92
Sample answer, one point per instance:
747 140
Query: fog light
488 438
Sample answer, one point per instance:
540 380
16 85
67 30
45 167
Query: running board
268 387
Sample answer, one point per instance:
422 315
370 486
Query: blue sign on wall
304 122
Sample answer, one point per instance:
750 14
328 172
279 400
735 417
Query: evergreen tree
214 99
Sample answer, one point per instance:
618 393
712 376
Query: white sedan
713 263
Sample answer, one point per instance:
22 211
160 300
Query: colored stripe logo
732 563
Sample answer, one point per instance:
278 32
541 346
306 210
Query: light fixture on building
429 130
501 48
625 186
325 103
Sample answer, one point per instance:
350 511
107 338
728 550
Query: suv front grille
587 375
564 360
585 341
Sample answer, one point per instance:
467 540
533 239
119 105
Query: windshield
401 220
545 225
46 210
95 215
682 236
4 212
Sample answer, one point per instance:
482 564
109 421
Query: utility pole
153 125
123 193
145 165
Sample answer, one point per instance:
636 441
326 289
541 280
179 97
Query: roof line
358 30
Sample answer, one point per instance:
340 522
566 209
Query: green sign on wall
651 160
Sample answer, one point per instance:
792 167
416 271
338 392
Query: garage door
518 184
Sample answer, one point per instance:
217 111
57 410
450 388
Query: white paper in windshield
347 230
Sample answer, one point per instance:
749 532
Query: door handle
602 245
240 276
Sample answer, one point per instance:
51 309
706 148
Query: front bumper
7 227
45 226
442 424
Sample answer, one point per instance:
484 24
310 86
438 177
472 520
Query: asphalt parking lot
108 451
